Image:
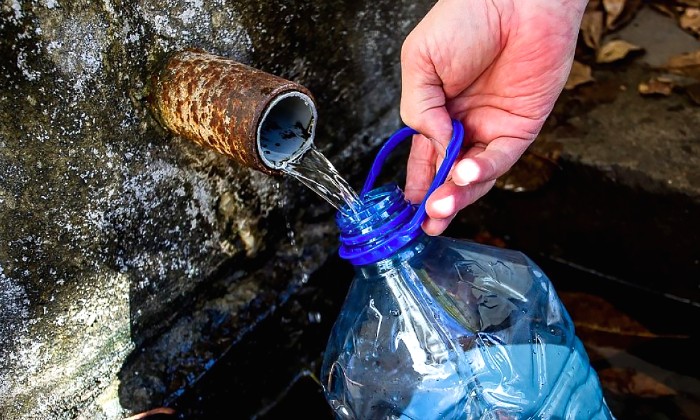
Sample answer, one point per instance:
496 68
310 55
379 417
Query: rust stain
216 102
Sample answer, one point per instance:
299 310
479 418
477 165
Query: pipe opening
286 129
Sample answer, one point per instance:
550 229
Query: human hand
498 66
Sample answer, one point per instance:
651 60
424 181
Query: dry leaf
613 9
592 28
580 74
619 12
626 381
615 50
631 9
656 86
686 64
665 7
690 21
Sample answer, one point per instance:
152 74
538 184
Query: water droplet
314 317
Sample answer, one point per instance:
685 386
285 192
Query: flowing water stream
315 171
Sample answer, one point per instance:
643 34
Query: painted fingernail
443 206
465 172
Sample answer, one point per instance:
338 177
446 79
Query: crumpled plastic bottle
440 328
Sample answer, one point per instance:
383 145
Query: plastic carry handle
399 136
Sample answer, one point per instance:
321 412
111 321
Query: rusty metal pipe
258 119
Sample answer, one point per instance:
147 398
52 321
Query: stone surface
131 260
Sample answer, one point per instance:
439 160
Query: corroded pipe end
260 120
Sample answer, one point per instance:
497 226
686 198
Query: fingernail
465 172
443 206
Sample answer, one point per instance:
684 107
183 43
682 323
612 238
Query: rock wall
130 260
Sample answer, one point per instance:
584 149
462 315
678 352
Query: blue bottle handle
451 153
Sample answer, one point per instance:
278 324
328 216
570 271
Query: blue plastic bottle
438 328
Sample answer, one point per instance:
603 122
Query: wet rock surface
130 260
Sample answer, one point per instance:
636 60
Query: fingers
434 227
422 93
442 57
486 164
420 169
450 198
444 203
434 123
471 178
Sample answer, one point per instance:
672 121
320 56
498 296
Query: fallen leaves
613 10
619 12
580 74
592 28
690 20
603 17
686 64
686 12
600 18
600 49
656 86
665 9
690 3
615 50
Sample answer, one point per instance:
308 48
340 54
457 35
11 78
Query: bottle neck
395 261
380 228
